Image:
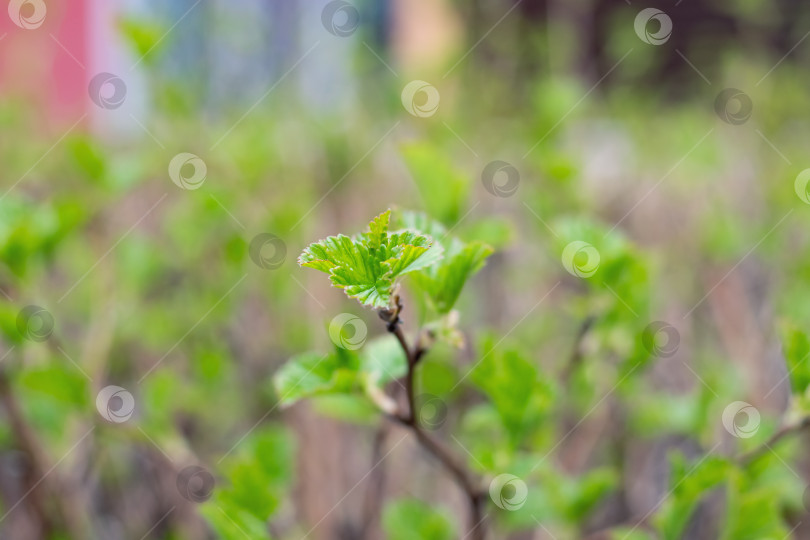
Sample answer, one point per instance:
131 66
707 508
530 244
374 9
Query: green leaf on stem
444 281
366 266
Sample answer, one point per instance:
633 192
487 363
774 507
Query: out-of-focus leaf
585 492
341 371
497 233
410 519
796 348
62 383
232 523
252 486
89 157
509 380
144 36
626 533
444 188
754 513
347 407
690 481
383 359
312 374
258 475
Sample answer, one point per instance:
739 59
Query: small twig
575 360
31 446
410 419
374 496
785 431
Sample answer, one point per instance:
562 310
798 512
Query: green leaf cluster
366 266
253 485
443 281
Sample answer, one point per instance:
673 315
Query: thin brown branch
41 480
575 360
782 433
374 496
475 496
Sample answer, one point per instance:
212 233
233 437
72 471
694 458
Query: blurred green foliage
172 307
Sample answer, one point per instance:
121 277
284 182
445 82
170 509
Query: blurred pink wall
46 63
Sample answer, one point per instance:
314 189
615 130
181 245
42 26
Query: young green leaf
444 281
366 266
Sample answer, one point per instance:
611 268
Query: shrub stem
785 431
410 419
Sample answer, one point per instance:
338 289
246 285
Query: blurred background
164 163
